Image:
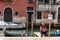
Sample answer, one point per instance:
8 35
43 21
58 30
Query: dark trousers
43 33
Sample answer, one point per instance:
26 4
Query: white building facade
44 7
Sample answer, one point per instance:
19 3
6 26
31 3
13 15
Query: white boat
11 25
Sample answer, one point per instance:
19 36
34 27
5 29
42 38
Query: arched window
8 14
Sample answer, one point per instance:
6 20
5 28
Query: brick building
16 10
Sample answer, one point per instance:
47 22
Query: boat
7 34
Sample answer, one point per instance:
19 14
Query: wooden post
26 25
32 26
50 23
49 27
50 20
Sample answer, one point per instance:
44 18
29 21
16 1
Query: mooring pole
32 26
50 18
49 27
27 25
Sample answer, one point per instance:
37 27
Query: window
29 9
43 1
53 13
16 13
46 1
29 16
45 14
39 15
40 1
0 13
29 12
54 1
30 0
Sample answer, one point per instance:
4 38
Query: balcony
6 0
43 1
41 7
49 2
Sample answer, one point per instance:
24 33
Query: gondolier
43 29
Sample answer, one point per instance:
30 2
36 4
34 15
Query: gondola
7 34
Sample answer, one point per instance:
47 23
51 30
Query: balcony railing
46 7
6 0
49 2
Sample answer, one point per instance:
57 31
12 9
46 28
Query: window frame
53 15
30 10
37 15
31 1
48 1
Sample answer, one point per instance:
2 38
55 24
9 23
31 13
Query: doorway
8 14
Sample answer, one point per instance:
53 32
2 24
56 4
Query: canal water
12 31
22 31
17 31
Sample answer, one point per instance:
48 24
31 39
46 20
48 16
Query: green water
1 33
